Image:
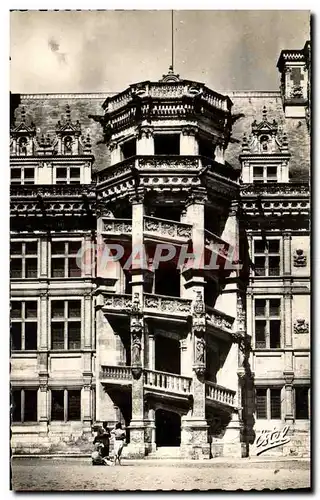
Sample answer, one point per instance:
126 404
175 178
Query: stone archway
168 428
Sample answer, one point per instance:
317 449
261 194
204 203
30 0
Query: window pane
258 171
275 401
74 308
74 247
57 268
260 334
259 246
16 268
166 144
57 405
16 405
274 307
58 248
74 270
261 403
57 309
16 309
273 246
32 248
16 248
31 309
260 307
272 171
275 341
75 173
57 335
301 403
30 405
62 172
30 340
31 268
74 333
15 173
16 336
29 173
274 266
260 266
74 405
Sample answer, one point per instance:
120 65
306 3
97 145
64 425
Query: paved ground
41 474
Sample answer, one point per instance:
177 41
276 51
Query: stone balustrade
164 90
117 226
167 381
219 394
116 372
219 319
162 228
117 302
166 304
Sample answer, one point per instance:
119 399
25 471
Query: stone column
188 142
115 153
288 387
152 351
145 141
86 404
136 447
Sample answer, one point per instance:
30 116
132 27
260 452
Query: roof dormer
265 155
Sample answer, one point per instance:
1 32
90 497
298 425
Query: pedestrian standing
119 435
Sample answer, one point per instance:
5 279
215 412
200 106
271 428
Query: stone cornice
275 189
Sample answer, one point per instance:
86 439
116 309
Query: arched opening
168 428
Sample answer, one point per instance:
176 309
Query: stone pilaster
43 257
288 396
44 321
86 403
145 141
87 324
287 254
287 318
188 142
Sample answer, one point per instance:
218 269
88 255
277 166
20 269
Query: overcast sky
105 51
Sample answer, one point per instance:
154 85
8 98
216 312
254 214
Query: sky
105 51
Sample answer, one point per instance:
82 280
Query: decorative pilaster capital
287 236
136 196
44 294
288 378
197 196
145 132
188 130
112 145
234 208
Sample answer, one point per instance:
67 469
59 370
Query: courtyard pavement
77 474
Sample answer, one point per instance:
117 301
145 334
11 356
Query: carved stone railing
275 189
52 191
116 372
117 302
166 90
167 305
215 243
167 382
219 319
219 394
114 171
117 226
168 162
166 228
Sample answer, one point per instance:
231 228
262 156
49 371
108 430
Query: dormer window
264 143
67 145
23 146
265 173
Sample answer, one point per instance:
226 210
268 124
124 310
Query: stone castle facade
197 358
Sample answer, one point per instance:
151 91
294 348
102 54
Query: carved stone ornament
199 316
301 326
299 259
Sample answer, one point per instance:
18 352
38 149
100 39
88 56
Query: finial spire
172 44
